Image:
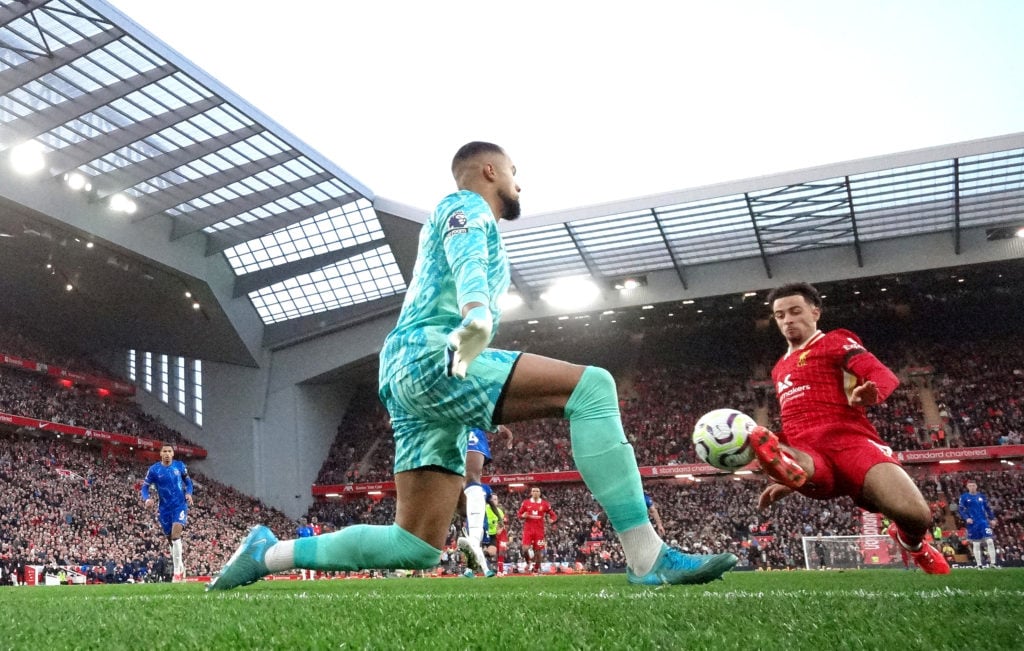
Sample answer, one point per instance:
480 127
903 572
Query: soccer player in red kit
532 512
824 382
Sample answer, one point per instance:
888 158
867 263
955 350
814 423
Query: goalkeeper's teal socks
360 547
607 463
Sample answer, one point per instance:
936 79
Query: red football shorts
842 457
533 538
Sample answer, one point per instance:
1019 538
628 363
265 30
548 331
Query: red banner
960 454
115 386
120 439
874 550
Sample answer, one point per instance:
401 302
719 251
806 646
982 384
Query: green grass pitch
872 609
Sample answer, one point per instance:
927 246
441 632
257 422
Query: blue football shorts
170 517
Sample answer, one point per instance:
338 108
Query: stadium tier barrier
119 387
993 454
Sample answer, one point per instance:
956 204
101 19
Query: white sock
991 551
641 545
179 566
280 556
476 503
976 546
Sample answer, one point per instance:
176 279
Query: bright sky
598 101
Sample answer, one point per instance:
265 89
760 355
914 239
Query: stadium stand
65 504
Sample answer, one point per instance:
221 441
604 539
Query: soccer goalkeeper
438 378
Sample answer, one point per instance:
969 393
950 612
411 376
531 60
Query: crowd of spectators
720 514
956 392
41 397
65 504
14 342
980 387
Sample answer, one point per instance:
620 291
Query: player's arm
465 248
189 487
522 511
652 510
552 514
773 493
988 512
144 492
964 510
501 430
877 382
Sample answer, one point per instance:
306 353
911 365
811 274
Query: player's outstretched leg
246 565
925 556
677 568
775 461
607 463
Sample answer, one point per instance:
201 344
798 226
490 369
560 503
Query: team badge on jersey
456 223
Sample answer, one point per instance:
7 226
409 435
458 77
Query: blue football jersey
975 507
172 483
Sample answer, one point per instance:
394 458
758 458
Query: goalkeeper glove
468 340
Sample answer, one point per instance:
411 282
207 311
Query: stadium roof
139 135
943 189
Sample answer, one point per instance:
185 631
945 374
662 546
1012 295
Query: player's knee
595 395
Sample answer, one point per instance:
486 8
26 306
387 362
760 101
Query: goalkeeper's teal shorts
431 413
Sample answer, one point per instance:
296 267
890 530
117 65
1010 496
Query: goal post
851 552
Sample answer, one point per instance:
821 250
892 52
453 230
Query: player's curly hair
807 290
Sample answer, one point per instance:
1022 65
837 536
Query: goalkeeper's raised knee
594 397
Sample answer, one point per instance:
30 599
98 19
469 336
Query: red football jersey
813 384
533 513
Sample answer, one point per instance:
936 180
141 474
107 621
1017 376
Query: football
722 438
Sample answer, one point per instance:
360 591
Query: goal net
850 552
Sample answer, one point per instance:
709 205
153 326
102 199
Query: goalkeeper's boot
674 567
925 557
246 565
775 461
475 560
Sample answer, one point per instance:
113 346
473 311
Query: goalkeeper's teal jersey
461 259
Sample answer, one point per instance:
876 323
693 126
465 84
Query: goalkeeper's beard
510 209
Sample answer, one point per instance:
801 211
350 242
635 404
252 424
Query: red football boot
926 557
774 460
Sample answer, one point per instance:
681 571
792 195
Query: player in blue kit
305 530
478 454
174 487
979 518
438 378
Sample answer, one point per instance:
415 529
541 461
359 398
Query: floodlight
571 293
27 158
510 301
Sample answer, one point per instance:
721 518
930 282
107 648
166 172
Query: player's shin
176 557
365 547
476 503
607 463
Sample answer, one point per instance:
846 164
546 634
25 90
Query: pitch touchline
667 593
